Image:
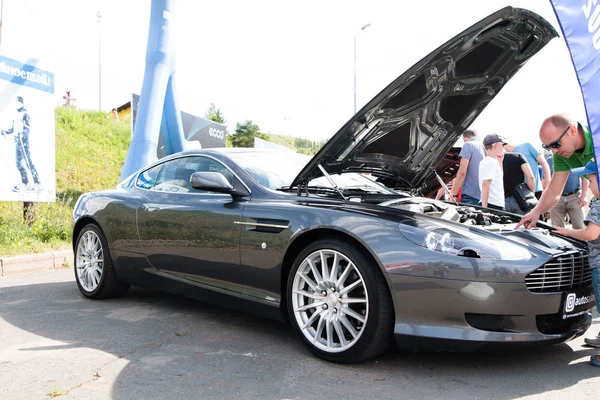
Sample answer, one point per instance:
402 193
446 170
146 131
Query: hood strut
445 188
331 181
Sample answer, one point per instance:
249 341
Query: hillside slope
90 151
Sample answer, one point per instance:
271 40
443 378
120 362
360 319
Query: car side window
176 174
147 179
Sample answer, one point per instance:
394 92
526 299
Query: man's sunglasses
556 143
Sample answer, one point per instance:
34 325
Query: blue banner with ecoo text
580 23
26 75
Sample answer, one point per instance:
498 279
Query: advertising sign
207 133
27 166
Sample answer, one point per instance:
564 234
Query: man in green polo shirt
571 145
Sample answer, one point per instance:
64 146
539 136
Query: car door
192 233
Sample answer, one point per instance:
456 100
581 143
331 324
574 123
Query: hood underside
404 132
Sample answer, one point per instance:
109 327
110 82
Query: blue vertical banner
580 23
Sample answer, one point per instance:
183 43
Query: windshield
272 169
278 169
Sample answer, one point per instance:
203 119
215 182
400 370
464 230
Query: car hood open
405 131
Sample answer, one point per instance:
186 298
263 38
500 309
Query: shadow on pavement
172 347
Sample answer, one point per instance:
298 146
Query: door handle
151 209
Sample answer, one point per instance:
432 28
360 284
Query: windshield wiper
321 190
331 181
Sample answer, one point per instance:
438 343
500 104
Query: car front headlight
460 241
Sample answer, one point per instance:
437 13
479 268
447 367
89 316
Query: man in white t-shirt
491 177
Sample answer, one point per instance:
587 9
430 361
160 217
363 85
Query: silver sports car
352 264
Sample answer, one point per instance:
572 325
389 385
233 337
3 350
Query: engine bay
487 219
464 214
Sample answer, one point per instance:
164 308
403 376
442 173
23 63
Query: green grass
90 151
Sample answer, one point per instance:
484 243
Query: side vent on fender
264 225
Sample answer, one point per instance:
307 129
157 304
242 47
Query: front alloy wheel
329 297
339 302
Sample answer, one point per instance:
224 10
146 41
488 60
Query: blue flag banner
580 23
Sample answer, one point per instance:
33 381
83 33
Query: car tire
342 312
94 272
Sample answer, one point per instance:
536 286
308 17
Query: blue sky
288 66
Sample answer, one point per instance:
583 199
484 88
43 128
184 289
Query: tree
245 133
214 114
305 146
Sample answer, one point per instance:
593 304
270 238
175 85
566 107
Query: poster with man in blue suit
27 159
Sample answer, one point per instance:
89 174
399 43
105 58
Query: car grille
566 271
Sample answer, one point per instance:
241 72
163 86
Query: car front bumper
444 314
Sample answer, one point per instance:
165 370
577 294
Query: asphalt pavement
150 345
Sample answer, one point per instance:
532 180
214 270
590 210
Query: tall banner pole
580 24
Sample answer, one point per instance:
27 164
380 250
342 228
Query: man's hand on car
529 220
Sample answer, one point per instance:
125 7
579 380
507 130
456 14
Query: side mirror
216 182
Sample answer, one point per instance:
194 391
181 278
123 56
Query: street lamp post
99 64
362 28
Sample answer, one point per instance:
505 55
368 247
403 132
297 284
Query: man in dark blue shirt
20 130
571 201
467 176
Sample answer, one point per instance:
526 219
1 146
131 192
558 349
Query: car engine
487 219
459 213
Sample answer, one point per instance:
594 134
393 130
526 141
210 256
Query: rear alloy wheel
339 302
94 272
